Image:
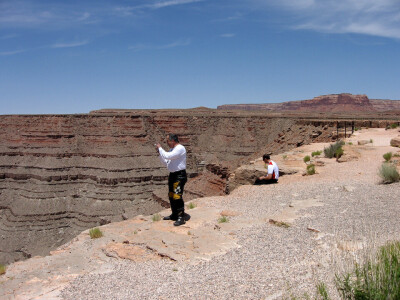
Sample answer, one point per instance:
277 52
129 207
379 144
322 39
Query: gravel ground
272 262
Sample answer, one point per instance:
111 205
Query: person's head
266 158
172 140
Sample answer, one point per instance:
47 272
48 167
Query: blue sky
77 56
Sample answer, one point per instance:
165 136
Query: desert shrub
378 278
396 155
307 158
387 156
223 219
156 217
311 169
284 156
350 143
394 125
95 233
316 153
2 269
331 150
357 129
388 172
191 205
371 141
339 152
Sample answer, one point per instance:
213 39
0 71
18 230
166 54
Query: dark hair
266 156
173 137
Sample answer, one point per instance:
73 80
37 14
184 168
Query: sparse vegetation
322 292
307 159
279 223
378 278
175 269
387 156
350 143
191 205
310 169
284 157
223 219
135 232
316 153
189 233
156 217
396 155
388 172
331 150
394 125
356 129
2 269
95 233
371 141
338 153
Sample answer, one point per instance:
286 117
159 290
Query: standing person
175 161
272 174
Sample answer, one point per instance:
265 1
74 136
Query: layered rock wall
61 174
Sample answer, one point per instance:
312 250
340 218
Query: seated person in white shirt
272 173
175 161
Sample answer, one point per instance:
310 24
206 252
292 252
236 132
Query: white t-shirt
174 159
273 169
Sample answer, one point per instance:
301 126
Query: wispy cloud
70 45
7 53
130 10
178 43
227 35
369 17
24 14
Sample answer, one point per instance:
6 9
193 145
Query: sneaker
180 221
171 217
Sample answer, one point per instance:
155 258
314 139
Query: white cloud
178 43
7 53
163 4
69 45
370 17
227 35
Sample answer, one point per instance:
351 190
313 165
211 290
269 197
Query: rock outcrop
61 174
395 142
328 103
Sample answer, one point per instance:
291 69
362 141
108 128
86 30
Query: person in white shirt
175 161
272 173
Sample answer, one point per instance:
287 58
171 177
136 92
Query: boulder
349 154
363 142
395 142
248 174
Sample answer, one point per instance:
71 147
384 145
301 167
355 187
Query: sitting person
273 172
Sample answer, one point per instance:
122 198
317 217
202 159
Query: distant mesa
344 102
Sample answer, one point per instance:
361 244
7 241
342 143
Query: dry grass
95 233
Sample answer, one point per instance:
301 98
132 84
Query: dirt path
333 217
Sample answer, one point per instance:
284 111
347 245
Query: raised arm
176 153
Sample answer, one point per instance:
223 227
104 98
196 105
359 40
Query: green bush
350 143
223 219
2 269
316 153
311 169
191 205
95 233
284 157
331 150
338 153
378 278
307 158
387 156
388 172
394 125
156 217
371 141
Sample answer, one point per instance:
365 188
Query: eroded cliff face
61 174
326 103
